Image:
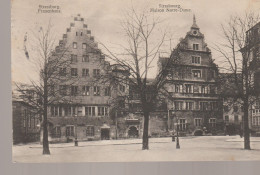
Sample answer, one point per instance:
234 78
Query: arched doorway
133 132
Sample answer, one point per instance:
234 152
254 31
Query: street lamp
177 142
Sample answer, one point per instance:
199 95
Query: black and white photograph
135 81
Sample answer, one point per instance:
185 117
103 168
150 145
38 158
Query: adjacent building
253 47
193 100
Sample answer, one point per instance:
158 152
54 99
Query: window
74 58
204 89
107 91
74 72
90 111
56 132
195 46
90 131
212 122
24 119
101 111
96 90
203 106
226 108
178 105
74 90
235 108
76 33
84 45
85 72
212 89
74 45
256 120
198 121
236 118
106 111
189 105
29 121
96 72
74 110
122 88
182 124
63 89
195 59
196 73
63 72
214 105
81 33
178 88
226 118
85 90
189 88
85 58
69 131
55 110
67 110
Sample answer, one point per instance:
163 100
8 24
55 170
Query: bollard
76 142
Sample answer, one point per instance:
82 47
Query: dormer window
195 32
195 46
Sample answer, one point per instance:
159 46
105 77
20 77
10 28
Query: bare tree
52 65
144 40
236 49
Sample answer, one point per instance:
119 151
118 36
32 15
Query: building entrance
133 132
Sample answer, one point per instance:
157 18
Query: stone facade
91 97
193 102
253 46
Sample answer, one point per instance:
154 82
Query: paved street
205 148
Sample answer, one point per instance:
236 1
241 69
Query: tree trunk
145 131
45 121
246 125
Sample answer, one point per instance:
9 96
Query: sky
104 17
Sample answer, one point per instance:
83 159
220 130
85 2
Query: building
26 121
233 111
253 47
193 100
86 113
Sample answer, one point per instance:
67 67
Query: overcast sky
103 18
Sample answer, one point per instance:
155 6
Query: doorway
105 134
133 132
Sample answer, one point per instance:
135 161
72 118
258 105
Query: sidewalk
252 139
105 142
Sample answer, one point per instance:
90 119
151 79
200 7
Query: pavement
201 148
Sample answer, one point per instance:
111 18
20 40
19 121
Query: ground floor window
256 120
56 132
182 124
198 121
69 131
90 131
212 122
